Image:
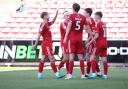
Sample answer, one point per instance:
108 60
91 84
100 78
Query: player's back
78 22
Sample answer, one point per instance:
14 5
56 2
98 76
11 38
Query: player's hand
56 11
87 45
87 27
34 47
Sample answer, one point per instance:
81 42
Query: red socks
61 64
71 65
105 64
88 67
53 67
40 67
93 65
97 67
82 66
67 66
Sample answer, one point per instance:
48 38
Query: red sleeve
85 22
93 23
40 29
61 27
97 28
42 26
104 25
70 17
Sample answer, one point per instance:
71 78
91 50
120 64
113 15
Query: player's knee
104 59
42 58
65 59
80 57
88 60
52 59
92 57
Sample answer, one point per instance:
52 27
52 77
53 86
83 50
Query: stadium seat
5 30
13 25
114 14
15 31
4 25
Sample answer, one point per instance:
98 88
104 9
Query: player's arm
38 36
37 40
54 19
87 28
95 34
93 39
67 31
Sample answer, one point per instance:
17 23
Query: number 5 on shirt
77 25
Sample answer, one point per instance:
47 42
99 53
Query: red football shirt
63 27
91 23
101 30
78 22
45 32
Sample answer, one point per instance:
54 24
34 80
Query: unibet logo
18 52
26 52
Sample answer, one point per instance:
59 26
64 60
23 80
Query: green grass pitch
26 79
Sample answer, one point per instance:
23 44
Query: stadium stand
27 22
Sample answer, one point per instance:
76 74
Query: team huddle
71 30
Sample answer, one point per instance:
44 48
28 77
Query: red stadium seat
114 14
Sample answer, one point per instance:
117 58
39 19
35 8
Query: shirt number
77 25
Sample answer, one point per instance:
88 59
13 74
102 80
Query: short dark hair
76 7
99 13
88 10
43 14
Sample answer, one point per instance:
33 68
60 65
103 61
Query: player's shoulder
42 25
61 24
82 16
72 14
102 23
92 20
